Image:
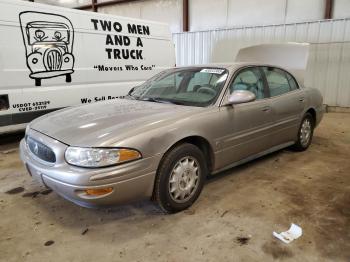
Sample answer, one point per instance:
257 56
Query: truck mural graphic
48 40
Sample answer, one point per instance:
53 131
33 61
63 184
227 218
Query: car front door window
249 79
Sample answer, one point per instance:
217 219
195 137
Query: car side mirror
241 96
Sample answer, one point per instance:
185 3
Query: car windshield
183 86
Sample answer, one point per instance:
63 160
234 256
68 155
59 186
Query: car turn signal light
98 191
128 155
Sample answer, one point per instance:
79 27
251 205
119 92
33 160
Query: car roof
237 65
231 66
211 65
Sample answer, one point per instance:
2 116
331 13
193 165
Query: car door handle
266 108
301 99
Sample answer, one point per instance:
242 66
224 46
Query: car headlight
100 157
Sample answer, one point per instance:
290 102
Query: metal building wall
329 62
209 14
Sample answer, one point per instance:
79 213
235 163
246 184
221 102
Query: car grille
54 60
40 150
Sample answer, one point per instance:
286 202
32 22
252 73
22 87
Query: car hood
95 124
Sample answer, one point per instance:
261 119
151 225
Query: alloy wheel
184 179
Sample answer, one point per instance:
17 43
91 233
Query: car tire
3 104
305 133
180 178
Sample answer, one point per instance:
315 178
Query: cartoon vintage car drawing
48 40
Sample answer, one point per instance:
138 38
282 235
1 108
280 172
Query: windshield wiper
176 102
159 100
130 96
155 99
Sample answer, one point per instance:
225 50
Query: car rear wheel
305 133
180 178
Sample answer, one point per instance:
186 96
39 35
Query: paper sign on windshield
212 71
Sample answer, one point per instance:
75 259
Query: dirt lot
233 220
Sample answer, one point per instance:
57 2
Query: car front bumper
130 181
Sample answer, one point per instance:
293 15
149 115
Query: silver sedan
169 134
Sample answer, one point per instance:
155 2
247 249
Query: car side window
292 83
249 79
279 81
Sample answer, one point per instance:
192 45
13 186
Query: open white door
291 56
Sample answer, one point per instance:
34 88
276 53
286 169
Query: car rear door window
279 81
249 79
292 83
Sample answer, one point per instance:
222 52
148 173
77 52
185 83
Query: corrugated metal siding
329 61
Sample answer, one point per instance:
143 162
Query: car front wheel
180 178
305 133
